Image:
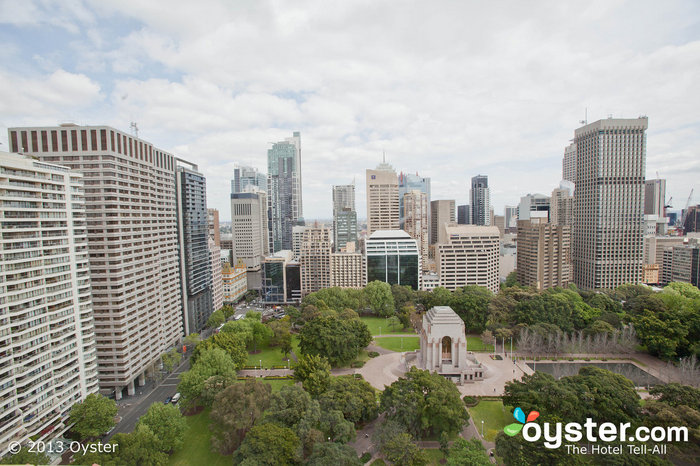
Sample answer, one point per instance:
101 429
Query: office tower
234 282
499 221
407 183
297 238
534 205
464 216
691 219
654 247
480 200
469 255
315 259
441 212
217 284
569 163
193 234
348 268
416 220
213 221
609 203
47 333
544 254
247 176
284 191
382 199
655 197
684 264
392 256
344 216
281 278
511 214
561 209
131 218
249 228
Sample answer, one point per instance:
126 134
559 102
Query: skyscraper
569 163
217 287
284 191
247 176
655 198
47 331
193 233
131 214
480 200
441 211
344 216
213 221
561 208
609 203
408 182
544 254
382 199
415 205
249 228
468 255
464 216
534 205
315 259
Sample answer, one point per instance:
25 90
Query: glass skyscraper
284 191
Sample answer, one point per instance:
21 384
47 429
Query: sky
446 89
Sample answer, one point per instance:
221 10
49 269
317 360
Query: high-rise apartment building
284 191
213 221
534 205
441 211
344 216
297 238
480 200
348 268
315 259
544 254
655 197
195 260
569 163
247 176
382 199
609 203
407 183
469 255
415 205
561 209
464 216
249 228
131 214
217 284
393 257
48 358
684 265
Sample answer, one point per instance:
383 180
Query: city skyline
364 87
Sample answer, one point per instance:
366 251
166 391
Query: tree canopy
93 417
337 339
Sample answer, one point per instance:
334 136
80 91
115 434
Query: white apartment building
315 259
131 216
470 256
382 199
561 209
568 165
347 270
48 358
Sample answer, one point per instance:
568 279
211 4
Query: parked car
176 398
168 400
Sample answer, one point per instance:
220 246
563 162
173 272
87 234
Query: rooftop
442 315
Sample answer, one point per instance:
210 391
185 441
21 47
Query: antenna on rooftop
134 128
585 117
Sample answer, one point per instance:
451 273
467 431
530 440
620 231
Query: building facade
480 200
48 357
315 259
281 278
393 257
234 282
511 221
249 228
344 216
569 163
407 183
655 197
247 176
544 254
348 269
534 205
469 255
464 216
131 214
561 210
284 191
415 205
441 212
217 281
213 222
609 203
382 199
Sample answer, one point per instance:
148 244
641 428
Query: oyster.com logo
519 415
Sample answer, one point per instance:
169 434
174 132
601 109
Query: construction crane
681 230
669 205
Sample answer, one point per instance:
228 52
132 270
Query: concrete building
464 216
131 214
213 222
297 238
499 221
382 199
195 259
562 204
650 274
441 212
234 282
249 228
469 256
544 254
430 281
217 281
416 215
534 206
281 278
48 358
407 183
392 256
655 197
480 200
691 223
348 268
511 215
607 248
569 163
247 176
654 250
226 241
284 191
315 259
685 264
344 216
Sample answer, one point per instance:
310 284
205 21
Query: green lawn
493 414
197 446
474 343
270 357
379 326
378 462
434 455
398 343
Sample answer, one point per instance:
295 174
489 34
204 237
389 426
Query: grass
374 324
398 343
474 343
378 462
493 414
272 356
278 384
434 455
197 446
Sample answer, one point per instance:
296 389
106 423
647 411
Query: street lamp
482 428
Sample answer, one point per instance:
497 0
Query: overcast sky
448 89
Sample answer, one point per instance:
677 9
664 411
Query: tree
314 373
235 411
338 340
288 406
444 441
379 298
228 311
168 425
213 386
192 340
93 417
286 345
662 333
424 403
280 330
394 322
511 280
24 456
234 347
354 397
139 447
171 359
334 298
216 319
471 303
675 394
402 450
465 452
336 427
212 361
403 296
269 444
333 454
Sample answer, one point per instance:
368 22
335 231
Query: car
168 400
176 398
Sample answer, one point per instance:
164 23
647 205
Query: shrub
357 364
373 354
366 456
470 401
